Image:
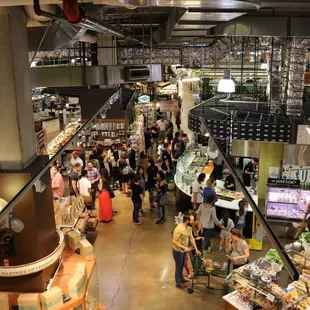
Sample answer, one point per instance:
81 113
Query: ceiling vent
132 74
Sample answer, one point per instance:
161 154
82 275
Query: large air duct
76 16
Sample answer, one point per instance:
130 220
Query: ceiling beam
200 22
208 10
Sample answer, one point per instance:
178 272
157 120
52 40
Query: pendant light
227 84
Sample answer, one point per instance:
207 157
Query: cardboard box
4 301
77 285
29 302
86 250
73 240
52 299
81 268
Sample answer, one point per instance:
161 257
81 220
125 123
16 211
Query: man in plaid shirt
93 177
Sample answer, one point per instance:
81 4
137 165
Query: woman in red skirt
105 201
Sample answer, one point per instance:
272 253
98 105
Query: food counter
263 284
62 138
189 167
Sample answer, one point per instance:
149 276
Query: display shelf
237 301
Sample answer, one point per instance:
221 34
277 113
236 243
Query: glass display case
286 203
190 166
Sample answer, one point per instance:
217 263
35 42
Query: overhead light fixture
191 79
207 134
73 60
226 84
157 105
308 130
33 64
16 225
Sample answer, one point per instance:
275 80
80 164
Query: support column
17 138
107 54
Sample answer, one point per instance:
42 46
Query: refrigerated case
286 204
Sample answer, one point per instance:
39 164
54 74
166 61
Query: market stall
189 167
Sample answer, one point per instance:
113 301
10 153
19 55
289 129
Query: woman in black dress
123 178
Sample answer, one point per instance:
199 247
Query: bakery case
286 204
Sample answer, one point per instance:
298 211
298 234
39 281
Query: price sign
270 297
283 182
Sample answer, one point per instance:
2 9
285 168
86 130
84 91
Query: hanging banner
168 106
295 172
41 142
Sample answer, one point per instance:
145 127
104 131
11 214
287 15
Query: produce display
258 285
62 138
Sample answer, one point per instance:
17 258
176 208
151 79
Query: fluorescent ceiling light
191 79
226 84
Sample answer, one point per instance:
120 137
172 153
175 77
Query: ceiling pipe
75 15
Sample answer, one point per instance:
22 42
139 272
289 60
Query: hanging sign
144 99
283 182
23 270
41 142
168 106
296 172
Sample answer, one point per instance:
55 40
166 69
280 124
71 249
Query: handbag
128 171
112 195
163 199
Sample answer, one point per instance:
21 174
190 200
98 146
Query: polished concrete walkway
135 265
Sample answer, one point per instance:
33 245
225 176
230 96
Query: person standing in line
155 136
207 217
93 176
170 130
148 141
176 140
161 205
182 236
162 125
123 178
177 152
183 142
131 157
208 190
239 249
105 201
240 216
73 179
225 235
113 158
137 199
58 187
84 185
178 119
166 157
75 159
82 154
151 171
197 191
140 171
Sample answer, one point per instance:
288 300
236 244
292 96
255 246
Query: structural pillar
17 138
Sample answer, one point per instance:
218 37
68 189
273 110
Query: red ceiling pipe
72 12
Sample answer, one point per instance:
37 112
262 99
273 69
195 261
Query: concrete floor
135 266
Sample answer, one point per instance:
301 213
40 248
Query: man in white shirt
162 125
84 185
76 160
197 191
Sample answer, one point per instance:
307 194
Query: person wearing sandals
161 206
137 199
